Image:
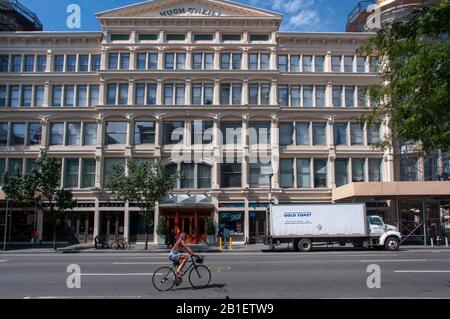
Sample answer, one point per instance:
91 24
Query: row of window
201 132
178 61
196 37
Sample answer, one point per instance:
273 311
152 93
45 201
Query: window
173 132
28 63
109 165
286 134
336 63
307 63
148 37
349 96
16 65
231 133
15 166
231 94
303 173
230 61
320 173
283 95
41 63
230 175
139 94
201 132
374 134
90 134
375 170
14 96
27 95
145 94
308 95
319 134
34 133
260 173
341 172
409 169
71 173
94 95
57 95
320 96
181 61
295 63
124 61
374 64
188 175
4 59
30 165
38 95
144 133
73 134
357 134
361 64
141 61
259 133
253 61
175 37
286 173
88 167
117 94
81 95
71 63
259 37
348 63
58 61
302 133
295 95
56 134
119 37
113 61
337 95
2 95
197 61
69 95
174 94
203 176
362 96
3 134
283 63
116 133
265 94
319 62
175 61
17 137
231 37
237 60
340 134
95 63
203 37
358 170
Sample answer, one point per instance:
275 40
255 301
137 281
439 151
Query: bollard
220 243
432 243
231 243
446 242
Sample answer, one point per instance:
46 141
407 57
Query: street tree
145 184
415 69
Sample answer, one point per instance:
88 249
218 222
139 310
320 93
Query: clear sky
299 15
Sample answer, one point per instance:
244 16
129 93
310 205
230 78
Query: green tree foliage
145 184
415 67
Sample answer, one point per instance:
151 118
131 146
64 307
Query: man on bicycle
178 258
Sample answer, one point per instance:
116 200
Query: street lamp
270 188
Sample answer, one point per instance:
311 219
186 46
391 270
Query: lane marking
392 260
3 261
423 271
125 274
143 263
84 297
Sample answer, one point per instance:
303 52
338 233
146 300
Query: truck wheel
392 244
304 245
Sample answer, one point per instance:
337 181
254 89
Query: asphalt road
418 273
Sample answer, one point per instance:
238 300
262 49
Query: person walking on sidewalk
34 237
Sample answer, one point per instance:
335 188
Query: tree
415 67
48 180
145 184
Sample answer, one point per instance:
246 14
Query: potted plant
161 230
210 232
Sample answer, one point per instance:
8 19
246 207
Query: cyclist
178 258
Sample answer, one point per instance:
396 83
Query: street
408 273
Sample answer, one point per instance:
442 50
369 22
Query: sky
299 15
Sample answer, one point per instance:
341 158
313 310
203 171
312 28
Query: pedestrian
171 238
34 237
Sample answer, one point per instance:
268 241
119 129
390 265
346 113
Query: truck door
376 226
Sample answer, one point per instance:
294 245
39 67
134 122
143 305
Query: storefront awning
186 201
392 190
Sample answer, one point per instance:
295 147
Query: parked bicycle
121 244
165 278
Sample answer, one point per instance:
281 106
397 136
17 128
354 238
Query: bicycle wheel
199 277
164 279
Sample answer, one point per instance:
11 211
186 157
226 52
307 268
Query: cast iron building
165 78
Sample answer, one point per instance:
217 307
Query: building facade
211 88
16 17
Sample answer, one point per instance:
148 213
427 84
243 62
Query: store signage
191 11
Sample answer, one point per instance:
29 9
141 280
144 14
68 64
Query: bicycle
121 244
165 278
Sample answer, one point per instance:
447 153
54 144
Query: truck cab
382 234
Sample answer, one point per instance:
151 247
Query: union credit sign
192 11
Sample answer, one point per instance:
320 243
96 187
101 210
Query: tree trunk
146 239
54 235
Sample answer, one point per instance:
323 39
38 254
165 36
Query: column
329 94
97 218
188 92
103 59
158 137
217 58
273 59
45 133
102 92
126 221
216 99
275 151
328 62
245 155
47 95
388 157
246 221
99 152
245 92
160 58
49 62
217 153
274 92
245 59
332 153
189 58
131 91
155 224
129 139
159 94
133 56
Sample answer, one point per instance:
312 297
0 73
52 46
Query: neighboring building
369 15
162 72
16 17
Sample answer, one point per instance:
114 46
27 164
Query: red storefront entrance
192 221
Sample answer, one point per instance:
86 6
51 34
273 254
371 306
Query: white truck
308 225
